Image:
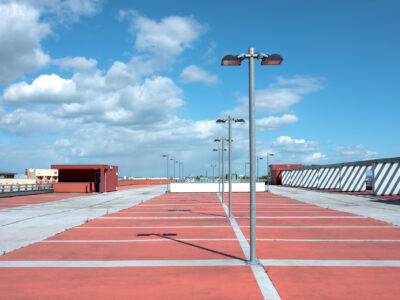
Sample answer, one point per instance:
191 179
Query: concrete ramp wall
213 187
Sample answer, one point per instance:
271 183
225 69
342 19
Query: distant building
42 175
6 175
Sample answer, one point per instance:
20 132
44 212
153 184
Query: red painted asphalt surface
184 227
17 201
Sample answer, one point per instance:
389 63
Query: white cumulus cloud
20 34
280 96
76 63
50 89
273 122
196 74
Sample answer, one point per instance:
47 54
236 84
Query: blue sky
123 82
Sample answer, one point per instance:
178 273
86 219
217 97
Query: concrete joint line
264 282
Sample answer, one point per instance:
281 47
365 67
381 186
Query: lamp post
167 156
219 169
213 166
258 166
183 171
245 168
236 60
179 169
222 140
174 168
229 120
268 172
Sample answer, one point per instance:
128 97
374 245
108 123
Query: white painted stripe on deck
121 263
134 241
219 211
307 217
339 227
330 263
143 227
161 218
327 240
264 282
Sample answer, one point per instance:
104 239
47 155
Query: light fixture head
221 121
215 149
231 60
165 155
273 59
239 121
217 140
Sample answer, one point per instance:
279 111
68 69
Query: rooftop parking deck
152 245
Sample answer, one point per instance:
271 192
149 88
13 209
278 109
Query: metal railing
10 188
348 177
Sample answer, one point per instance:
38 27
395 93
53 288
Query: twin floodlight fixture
266 59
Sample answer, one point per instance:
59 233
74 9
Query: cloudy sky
124 82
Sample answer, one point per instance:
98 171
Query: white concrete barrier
200 187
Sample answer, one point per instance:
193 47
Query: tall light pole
219 169
222 140
229 120
183 170
268 172
245 168
213 166
258 166
236 60
179 169
167 156
174 168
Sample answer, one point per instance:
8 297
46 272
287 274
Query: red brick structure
86 178
275 171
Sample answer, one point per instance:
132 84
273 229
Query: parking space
18 201
182 246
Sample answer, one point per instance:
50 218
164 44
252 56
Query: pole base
254 262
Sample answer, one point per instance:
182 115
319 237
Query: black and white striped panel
387 178
329 178
297 177
310 178
286 177
353 178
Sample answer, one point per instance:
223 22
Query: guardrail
348 177
17 188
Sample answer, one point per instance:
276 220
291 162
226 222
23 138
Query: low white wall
213 187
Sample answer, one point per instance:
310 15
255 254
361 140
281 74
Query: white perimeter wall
213 187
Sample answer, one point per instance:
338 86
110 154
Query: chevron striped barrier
386 178
311 178
286 177
297 177
353 178
329 178
348 177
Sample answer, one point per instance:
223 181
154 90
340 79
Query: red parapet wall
142 182
73 187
